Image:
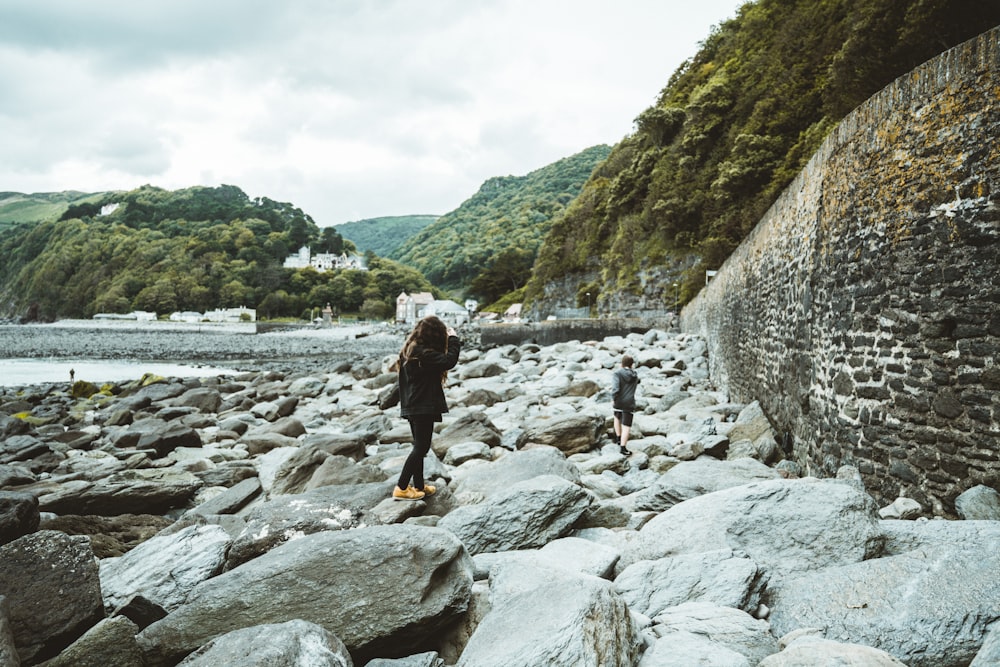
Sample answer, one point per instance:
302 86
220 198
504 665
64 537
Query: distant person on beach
624 382
428 353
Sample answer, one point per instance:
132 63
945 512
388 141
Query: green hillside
16 207
733 127
194 249
506 220
383 236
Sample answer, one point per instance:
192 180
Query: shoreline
234 345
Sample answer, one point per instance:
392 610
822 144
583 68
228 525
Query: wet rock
326 579
51 581
924 607
978 503
165 568
274 645
110 643
18 515
528 514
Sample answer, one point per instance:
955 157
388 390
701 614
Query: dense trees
383 235
736 123
193 249
508 213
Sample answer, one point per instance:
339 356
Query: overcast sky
349 109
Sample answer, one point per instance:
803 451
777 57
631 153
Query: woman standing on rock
428 353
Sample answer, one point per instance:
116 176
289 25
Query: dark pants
422 428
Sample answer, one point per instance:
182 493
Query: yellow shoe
429 489
409 493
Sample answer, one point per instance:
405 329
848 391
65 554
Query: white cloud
348 109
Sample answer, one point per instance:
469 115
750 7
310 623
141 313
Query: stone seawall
863 312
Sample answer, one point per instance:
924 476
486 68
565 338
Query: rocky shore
247 520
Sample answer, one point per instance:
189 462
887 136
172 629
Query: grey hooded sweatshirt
623 386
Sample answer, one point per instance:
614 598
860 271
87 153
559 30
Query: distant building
449 311
241 314
324 261
186 316
139 315
409 307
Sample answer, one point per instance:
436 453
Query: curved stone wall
863 312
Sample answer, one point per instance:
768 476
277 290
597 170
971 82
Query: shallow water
16 372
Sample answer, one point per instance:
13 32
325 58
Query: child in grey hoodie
623 386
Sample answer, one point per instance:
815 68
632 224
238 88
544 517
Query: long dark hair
430 332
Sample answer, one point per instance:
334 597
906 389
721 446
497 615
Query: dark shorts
625 417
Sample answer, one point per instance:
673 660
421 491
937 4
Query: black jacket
623 386
420 390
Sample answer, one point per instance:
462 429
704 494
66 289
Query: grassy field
17 207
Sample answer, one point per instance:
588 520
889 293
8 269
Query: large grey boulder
261 442
570 433
751 424
231 500
52 584
690 479
721 577
110 643
291 644
295 472
681 648
736 630
572 554
925 607
342 470
527 514
903 536
164 437
472 426
289 426
165 568
307 387
18 515
383 588
140 491
812 651
204 399
979 503
783 525
343 444
498 476
567 622
284 518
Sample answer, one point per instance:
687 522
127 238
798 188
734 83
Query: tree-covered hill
507 218
733 127
383 235
194 249
30 208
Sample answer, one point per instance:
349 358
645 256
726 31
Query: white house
324 261
241 314
409 307
188 316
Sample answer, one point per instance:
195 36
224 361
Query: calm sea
16 372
